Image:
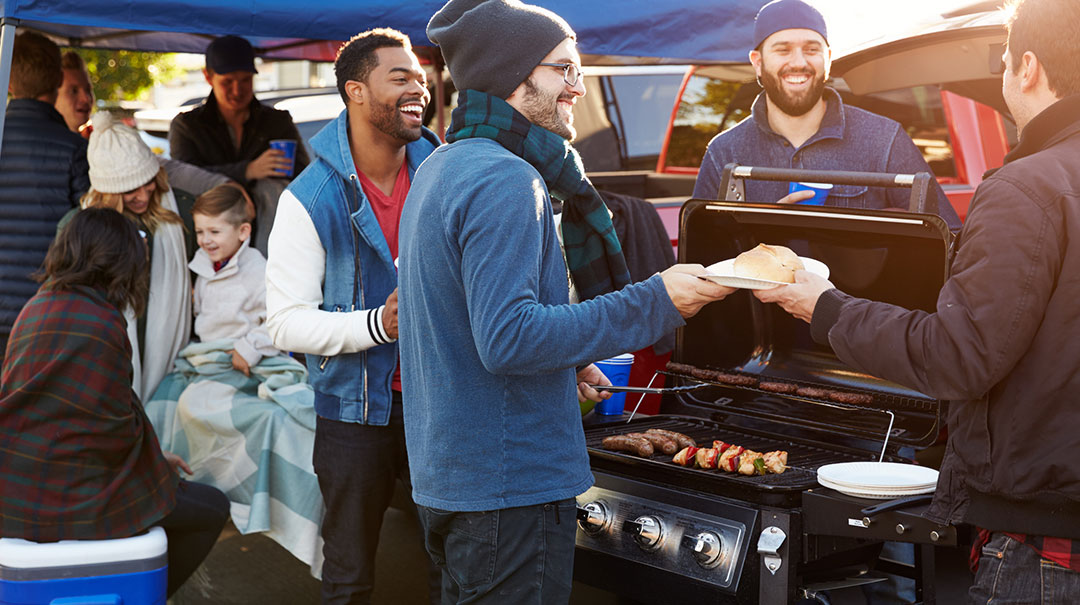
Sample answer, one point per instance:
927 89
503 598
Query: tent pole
7 44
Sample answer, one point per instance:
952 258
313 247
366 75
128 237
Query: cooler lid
896 257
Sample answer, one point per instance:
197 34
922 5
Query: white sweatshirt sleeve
295 269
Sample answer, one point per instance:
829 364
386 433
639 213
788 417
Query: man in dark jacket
231 132
43 172
1002 344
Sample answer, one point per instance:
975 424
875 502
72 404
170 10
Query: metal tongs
648 390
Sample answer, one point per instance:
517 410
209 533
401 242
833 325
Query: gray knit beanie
119 160
493 45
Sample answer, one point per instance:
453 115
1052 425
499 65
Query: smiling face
792 67
75 98
137 200
545 98
232 91
395 94
218 237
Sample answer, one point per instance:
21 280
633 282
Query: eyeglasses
571 72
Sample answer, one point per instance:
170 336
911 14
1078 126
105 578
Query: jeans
1011 572
512 555
192 528
357 466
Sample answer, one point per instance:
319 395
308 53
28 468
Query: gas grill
657 532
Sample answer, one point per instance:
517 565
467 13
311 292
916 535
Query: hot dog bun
774 263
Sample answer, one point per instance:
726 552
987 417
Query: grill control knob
593 517
707 548
647 530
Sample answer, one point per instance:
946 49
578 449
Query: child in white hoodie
230 291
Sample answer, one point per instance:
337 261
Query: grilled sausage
680 368
680 439
813 392
626 443
660 443
851 398
778 387
739 380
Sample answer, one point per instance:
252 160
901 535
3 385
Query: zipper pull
322 364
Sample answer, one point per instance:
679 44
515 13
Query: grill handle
895 504
732 189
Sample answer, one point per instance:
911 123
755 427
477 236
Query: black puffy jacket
43 173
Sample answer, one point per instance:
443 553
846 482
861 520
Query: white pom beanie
119 160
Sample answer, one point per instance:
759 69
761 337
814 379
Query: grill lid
896 257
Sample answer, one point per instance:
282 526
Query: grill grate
882 399
783 489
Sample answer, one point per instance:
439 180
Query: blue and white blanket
251 437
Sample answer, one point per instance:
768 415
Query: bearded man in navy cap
798 122
230 133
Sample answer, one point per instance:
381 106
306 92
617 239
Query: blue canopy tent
609 31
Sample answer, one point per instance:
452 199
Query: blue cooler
127 571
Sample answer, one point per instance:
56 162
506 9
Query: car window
708 107
622 121
920 113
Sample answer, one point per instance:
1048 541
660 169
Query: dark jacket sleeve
183 146
987 314
80 176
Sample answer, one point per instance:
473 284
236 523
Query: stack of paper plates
878 479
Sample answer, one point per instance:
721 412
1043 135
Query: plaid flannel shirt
78 456
1063 551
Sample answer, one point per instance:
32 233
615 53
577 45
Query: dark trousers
192 528
1013 573
512 555
357 466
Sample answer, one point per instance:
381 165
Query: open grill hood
896 257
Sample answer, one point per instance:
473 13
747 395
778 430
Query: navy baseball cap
787 14
230 53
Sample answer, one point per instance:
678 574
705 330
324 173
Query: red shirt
387 209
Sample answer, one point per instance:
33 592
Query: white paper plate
875 493
880 476
723 273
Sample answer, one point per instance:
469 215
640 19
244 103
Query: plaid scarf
593 253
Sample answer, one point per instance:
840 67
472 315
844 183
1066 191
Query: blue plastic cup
288 148
821 191
617 370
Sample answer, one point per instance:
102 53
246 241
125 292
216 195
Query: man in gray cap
493 355
798 122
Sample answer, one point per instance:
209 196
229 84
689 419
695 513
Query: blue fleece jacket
849 139
489 341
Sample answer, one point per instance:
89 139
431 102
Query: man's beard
543 110
791 104
389 120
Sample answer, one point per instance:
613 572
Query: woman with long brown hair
81 460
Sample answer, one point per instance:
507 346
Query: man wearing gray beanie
494 357
798 122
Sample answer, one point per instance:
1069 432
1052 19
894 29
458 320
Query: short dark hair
100 249
227 200
1047 29
356 58
35 66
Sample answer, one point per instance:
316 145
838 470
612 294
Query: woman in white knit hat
126 176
